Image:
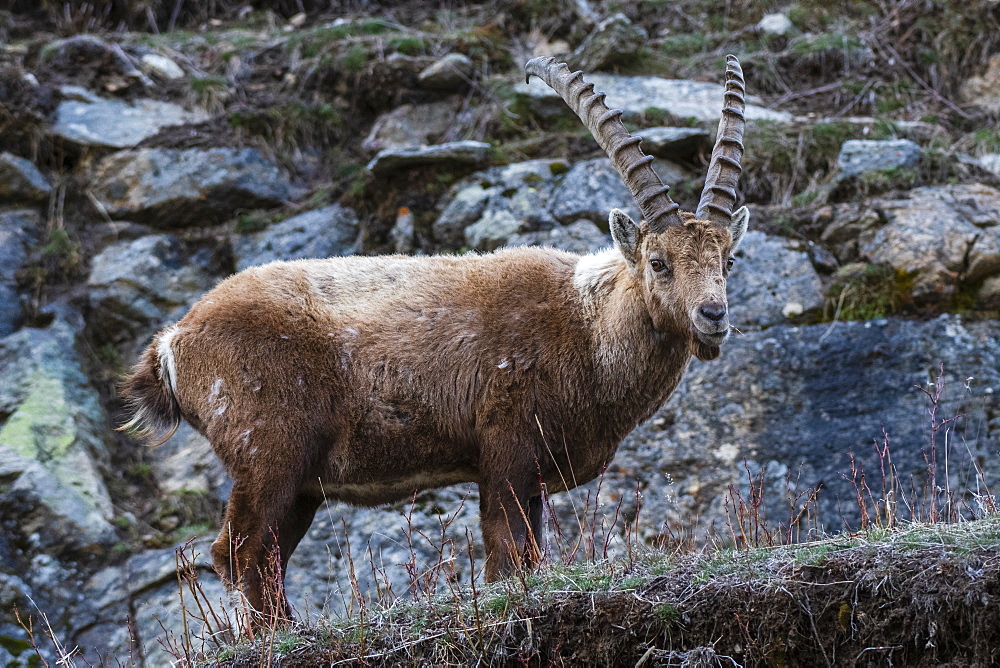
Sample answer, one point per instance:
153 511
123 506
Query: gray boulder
145 591
771 281
614 41
137 286
796 401
53 445
843 225
683 144
590 190
988 297
89 51
186 463
453 72
410 126
941 234
497 205
581 237
20 180
515 195
18 232
327 232
116 124
864 155
449 154
700 100
151 580
180 188
319 574
494 228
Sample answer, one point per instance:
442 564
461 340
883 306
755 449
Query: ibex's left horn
719 196
648 190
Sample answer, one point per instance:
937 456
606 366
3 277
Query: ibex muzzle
367 379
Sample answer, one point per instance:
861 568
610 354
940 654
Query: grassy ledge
918 595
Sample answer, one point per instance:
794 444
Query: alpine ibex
367 379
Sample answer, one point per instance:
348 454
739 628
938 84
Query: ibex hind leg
265 519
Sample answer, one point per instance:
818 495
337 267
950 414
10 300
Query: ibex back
367 379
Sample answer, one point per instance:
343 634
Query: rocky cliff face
137 169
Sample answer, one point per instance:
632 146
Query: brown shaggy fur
367 379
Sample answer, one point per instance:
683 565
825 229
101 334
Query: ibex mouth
712 338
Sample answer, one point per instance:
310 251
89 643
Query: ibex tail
149 393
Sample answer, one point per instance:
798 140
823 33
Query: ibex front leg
510 512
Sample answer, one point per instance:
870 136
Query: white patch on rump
168 366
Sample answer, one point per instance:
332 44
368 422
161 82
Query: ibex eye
730 262
657 265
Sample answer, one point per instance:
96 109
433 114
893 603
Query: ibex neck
630 355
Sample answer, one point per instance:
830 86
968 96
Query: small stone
775 24
822 260
984 90
79 93
453 72
20 180
615 41
792 309
458 153
402 234
862 155
162 66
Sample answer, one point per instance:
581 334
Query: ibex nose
713 311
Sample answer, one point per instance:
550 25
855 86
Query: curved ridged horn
648 190
719 196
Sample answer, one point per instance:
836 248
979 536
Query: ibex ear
626 234
738 226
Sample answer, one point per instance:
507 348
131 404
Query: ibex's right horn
649 191
719 196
